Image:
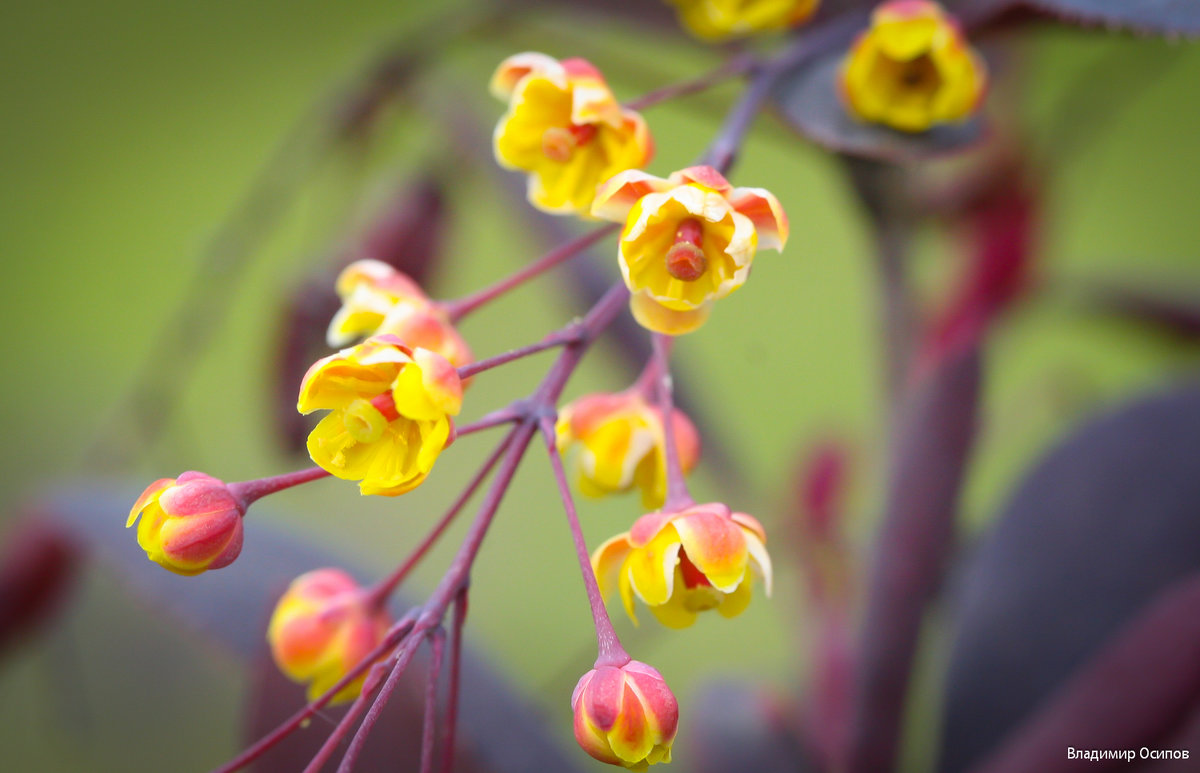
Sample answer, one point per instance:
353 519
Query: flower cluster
390 397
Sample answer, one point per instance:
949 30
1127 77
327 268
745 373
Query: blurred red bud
37 566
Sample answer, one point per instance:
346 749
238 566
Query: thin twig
437 645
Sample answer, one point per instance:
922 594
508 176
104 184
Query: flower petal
617 195
765 211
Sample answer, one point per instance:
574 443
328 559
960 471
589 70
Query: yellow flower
189 524
566 129
688 240
719 19
619 444
683 563
912 69
625 716
321 628
377 299
389 413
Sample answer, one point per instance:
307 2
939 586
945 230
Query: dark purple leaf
230 607
808 99
733 726
1162 17
1099 527
935 428
1132 694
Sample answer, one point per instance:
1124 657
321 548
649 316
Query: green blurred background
132 130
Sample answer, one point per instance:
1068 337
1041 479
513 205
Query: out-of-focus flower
321 628
566 129
688 240
625 716
686 562
189 524
377 299
912 69
390 409
620 443
719 19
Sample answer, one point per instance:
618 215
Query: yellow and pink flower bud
688 240
912 69
625 716
322 627
565 129
377 299
389 413
683 563
721 19
618 442
189 524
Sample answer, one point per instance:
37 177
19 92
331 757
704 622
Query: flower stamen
685 258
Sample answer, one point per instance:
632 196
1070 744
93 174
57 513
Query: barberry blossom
378 299
389 413
618 444
625 716
566 129
720 19
189 524
912 69
686 562
322 627
688 240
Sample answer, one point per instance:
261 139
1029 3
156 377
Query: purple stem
249 491
402 658
609 649
451 722
678 497
730 68
370 685
379 595
396 635
458 309
557 338
437 644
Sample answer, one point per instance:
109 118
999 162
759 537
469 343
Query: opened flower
625 716
618 440
719 19
389 413
912 69
189 524
566 129
322 627
688 240
683 563
378 299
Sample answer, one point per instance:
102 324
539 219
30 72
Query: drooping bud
625 716
322 627
189 524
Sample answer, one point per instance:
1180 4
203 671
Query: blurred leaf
1097 529
809 101
497 729
1171 310
935 429
1165 17
1134 693
734 726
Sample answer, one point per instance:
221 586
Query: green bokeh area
133 129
